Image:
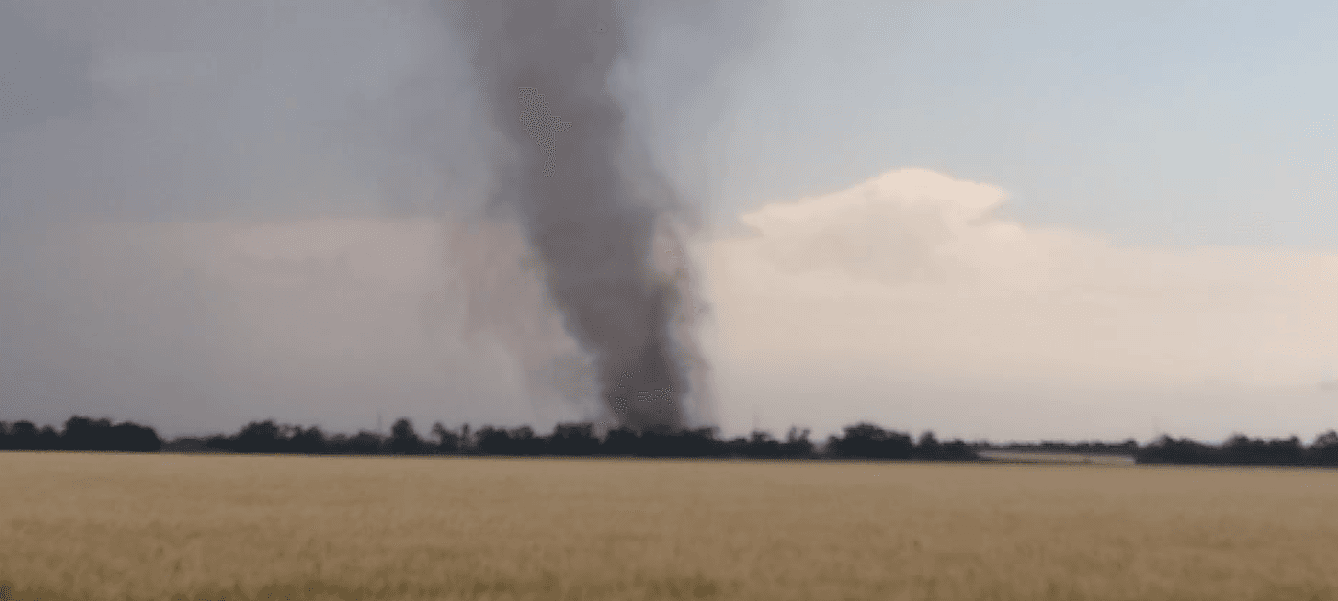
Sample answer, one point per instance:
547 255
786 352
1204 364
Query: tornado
606 228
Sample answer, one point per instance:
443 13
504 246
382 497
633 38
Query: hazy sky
995 219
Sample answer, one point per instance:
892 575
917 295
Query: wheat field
167 526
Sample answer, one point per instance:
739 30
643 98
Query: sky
1004 220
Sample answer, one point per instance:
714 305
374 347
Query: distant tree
1287 451
1242 450
868 441
310 441
23 435
336 443
655 443
734 447
702 442
928 447
48 439
5 442
957 450
494 441
403 439
621 442
129 436
762 446
220 442
1324 450
1185 451
573 440
86 434
447 441
796 443
363 443
260 437
524 442
517 441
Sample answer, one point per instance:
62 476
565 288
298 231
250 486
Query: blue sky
1156 122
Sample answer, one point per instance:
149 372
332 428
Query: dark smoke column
587 197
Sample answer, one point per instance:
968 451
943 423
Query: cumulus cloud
902 299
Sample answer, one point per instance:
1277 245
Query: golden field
167 526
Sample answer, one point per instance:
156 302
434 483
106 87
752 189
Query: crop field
167 526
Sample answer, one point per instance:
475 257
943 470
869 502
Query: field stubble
124 526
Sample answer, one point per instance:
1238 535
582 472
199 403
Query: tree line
80 434
1243 450
863 440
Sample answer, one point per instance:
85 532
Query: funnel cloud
604 227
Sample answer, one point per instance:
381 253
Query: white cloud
906 283
899 300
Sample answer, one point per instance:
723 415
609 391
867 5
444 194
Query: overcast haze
1006 220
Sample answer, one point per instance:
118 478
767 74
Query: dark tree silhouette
87 434
447 441
1324 450
573 440
48 439
863 440
468 440
762 446
1170 450
23 435
796 444
957 450
137 438
518 441
621 442
868 441
363 443
310 441
527 443
494 441
1242 450
403 439
701 442
928 447
260 437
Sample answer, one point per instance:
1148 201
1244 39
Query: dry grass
90 526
